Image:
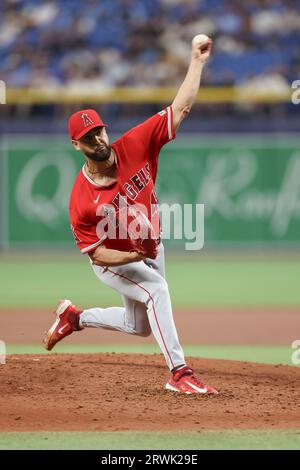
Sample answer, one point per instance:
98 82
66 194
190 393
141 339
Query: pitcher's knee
145 333
144 330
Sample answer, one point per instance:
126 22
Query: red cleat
67 321
184 381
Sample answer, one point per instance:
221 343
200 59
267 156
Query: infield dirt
119 392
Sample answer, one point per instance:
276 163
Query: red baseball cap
83 121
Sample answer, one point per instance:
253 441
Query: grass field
230 281
148 440
250 353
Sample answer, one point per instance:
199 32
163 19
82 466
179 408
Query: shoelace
198 381
187 372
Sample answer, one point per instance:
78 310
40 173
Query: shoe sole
61 308
173 389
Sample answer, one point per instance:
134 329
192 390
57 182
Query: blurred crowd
108 43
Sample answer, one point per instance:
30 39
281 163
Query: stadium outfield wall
249 185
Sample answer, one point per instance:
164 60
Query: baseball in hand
200 40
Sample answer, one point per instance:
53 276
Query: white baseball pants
147 305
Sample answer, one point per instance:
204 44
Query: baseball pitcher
115 222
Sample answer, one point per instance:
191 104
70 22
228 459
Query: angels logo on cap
83 121
86 120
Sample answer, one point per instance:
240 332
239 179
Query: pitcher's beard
100 155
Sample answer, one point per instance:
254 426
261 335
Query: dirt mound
119 392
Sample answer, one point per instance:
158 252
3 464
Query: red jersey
137 154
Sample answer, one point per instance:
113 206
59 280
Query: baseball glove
141 233
147 247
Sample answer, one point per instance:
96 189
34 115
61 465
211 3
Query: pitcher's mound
120 392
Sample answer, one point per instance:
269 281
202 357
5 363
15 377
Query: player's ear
75 144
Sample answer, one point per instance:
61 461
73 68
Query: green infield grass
199 440
249 353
